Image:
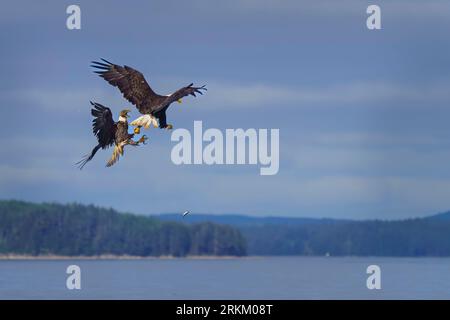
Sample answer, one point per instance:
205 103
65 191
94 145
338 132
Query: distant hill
303 236
441 216
242 220
73 229
79 230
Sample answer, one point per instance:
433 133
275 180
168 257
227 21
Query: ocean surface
240 278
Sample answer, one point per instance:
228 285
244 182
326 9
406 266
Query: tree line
406 238
269 236
80 230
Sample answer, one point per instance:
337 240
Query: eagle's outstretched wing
185 91
104 129
160 110
103 125
130 82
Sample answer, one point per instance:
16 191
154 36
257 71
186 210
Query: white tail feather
145 121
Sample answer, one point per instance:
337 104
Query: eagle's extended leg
143 139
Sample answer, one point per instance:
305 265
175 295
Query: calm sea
247 278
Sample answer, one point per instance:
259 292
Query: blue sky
363 115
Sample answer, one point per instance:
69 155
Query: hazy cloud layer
363 116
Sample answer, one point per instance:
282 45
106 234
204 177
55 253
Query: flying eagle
109 132
136 90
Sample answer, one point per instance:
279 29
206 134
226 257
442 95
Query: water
247 278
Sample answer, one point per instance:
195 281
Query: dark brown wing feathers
136 90
130 82
180 93
103 125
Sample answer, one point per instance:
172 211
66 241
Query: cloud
224 95
402 8
258 95
234 10
399 197
373 140
341 154
326 177
61 100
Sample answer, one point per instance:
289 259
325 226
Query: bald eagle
136 90
109 132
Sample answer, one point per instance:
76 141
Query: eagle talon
137 130
169 127
143 139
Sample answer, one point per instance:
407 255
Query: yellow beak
179 101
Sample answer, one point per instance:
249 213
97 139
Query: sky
363 114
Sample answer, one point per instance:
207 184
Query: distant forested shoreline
283 236
80 230
29 229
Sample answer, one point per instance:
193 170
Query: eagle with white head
136 90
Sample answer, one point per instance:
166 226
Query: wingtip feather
106 61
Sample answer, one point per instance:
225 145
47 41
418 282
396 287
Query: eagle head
124 115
